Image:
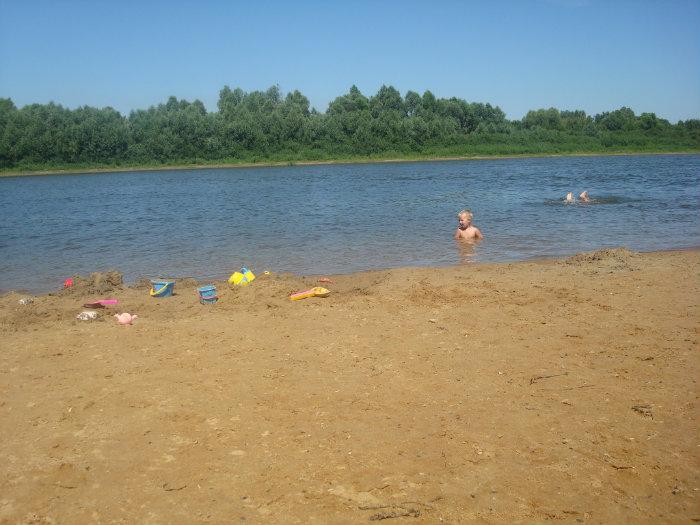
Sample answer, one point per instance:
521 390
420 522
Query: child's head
465 218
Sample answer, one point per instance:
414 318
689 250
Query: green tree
622 119
412 103
543 118
270 125
386 99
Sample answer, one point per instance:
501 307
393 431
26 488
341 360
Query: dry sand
560 391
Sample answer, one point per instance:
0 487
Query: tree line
261 126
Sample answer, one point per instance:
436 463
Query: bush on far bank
265 126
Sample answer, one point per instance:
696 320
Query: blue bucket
207 294
162 288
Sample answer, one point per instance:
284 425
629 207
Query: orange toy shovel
316 291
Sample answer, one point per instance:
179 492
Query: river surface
328 219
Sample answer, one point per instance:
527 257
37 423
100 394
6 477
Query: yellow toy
243 278
237 278
248 274
316 291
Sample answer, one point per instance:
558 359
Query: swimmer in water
466 230
570 198
584 197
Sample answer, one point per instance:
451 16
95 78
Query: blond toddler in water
466 230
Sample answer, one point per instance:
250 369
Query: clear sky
595 55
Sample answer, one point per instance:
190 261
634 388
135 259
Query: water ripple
338 219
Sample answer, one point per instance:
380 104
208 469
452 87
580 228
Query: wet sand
560 391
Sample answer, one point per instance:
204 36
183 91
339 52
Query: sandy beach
560 390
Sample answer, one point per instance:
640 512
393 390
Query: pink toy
101 303
125 318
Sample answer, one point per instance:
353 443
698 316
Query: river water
329 219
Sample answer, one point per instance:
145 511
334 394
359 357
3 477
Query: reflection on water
338 218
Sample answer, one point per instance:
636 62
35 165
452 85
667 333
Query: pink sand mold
125 318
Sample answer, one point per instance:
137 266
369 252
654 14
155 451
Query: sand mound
97 283
610 258
40 313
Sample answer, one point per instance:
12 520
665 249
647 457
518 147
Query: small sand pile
97 283
40 313
611 259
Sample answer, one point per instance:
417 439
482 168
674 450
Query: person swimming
583 197
465 229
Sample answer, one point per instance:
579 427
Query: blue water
338 218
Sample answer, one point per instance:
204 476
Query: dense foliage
267 126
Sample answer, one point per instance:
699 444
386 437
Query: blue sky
595 55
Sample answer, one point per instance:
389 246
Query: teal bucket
162 288
207 294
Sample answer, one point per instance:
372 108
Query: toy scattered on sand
87 316
207 294
242 278
123 318
162 288
101 303
316 291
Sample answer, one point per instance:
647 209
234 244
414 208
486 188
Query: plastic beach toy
316 291
237 278
101 303
244 277
247 274
87 316
207 294
162 288
124 318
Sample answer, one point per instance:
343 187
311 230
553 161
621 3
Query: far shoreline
279 164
